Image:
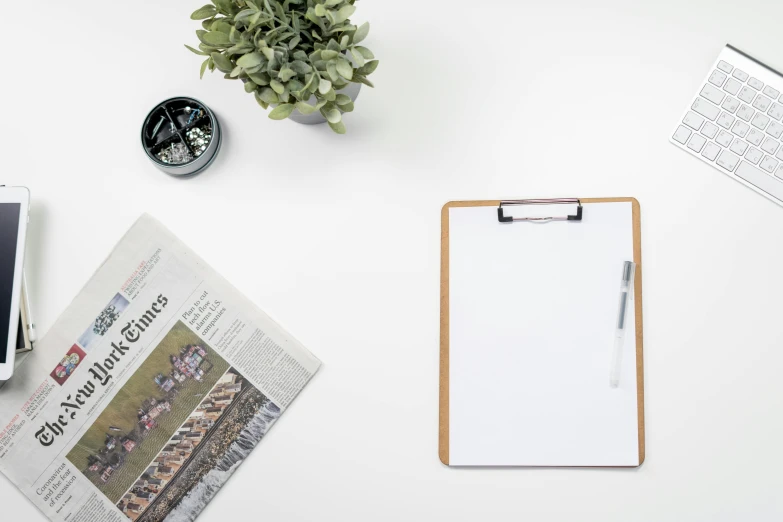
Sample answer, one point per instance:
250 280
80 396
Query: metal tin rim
157 162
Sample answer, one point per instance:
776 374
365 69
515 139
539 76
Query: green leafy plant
288 52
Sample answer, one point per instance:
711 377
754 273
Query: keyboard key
728 160
693 120
697 142
725 120
762 103
725 67
706 109
710 130
756 177
770 146
756 83
779 155
755 137
776 111
771 92
741 129
775 129
713 94
769 164
760 121
754 155
710 151
731 104
732 86
739 147
740 75
746 94
682 134
717 78
745 113
724 139
779 173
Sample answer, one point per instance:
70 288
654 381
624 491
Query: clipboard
571 218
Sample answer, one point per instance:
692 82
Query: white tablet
14 204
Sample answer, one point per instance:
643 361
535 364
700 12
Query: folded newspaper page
149 391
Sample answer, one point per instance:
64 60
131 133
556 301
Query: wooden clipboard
443 438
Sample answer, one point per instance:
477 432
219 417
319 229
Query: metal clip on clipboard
563 201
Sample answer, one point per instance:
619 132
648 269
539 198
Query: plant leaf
204 68
240 49
208 11
357 57
269 53
245 13
361 33
368 68
345 69
200 53
305 108
286 74
320 10
342 99
293 42
250 60
358 78
250 86
344 13
295 86
332 115
324 86
259 78
327 54
225 6
332 70
222 63
268 95
338 127
332 3
278 87
348 107
281 112
217 38
300 67
365 52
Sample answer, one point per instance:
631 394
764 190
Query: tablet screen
9 230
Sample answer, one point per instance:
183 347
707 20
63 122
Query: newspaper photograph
148 392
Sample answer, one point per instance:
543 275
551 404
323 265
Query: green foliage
287 51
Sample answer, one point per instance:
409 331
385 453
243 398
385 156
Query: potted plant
301 57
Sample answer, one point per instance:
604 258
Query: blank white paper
532 316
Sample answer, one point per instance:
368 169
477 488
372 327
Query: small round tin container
181 136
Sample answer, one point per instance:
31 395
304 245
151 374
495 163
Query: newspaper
149 390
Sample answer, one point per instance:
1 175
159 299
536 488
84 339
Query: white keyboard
735 123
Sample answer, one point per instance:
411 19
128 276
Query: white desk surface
338 237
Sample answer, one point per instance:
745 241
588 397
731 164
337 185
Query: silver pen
626 293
